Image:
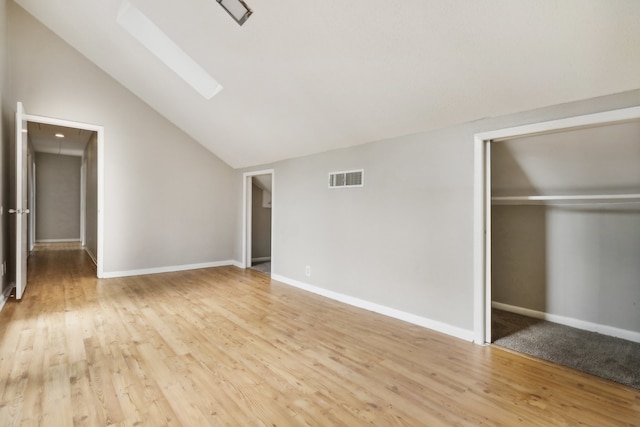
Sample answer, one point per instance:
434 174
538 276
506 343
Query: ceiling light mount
237 9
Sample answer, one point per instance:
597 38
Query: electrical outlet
307 270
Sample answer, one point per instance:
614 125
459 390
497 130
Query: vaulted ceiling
302 77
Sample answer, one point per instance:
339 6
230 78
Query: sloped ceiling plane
302 77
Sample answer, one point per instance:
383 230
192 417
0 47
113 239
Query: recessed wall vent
346 179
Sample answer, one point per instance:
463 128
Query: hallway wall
57 197
91 213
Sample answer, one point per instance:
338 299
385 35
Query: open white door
20 212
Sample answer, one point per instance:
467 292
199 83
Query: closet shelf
575 198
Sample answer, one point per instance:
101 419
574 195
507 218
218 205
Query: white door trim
246 213
33 209
482 200
100 132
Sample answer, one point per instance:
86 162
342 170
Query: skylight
158 43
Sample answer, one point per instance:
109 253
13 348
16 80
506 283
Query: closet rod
568 198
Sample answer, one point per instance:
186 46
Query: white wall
391 242
579 262
405 240
167 200
57 197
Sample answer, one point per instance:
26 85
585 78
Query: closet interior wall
565 224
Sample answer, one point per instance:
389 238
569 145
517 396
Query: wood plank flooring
229 347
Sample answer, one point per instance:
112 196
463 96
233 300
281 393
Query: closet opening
558 236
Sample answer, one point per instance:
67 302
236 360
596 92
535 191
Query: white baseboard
454 331
168 269
261 259
91 255
570 321
58 240
237 264
5 296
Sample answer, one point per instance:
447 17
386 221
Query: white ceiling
43 140
302 77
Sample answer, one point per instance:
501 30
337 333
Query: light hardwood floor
227 347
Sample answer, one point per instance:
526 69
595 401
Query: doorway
58 196
54 143
258 201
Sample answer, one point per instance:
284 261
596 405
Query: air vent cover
346 179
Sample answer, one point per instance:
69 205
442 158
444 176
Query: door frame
482 199
31 179
247 209
21 201
100 141
83 199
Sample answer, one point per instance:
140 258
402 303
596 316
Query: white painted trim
577 122
168 269
479 263
32 201
573 199
101 243
21 246
246 206
100 140
482 192
236 263
247 224
444 328
5 296
261 259
570 321
91 255
77 239
487 239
